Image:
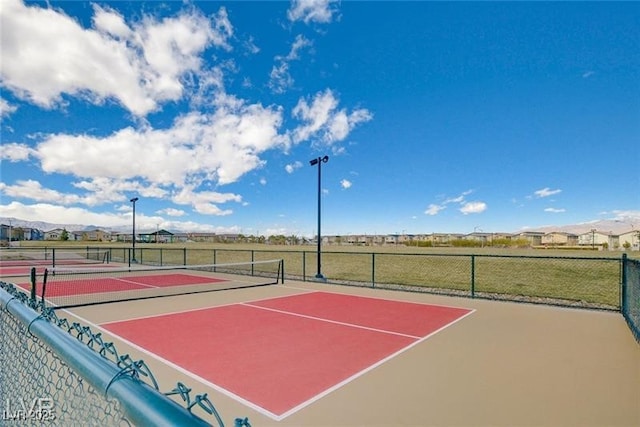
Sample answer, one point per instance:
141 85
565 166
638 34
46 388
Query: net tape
66 287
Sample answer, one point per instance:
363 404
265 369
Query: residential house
95 235
559 238
597 239
630 239
533 237
55 234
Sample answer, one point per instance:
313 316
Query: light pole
593 239
133 237
319 161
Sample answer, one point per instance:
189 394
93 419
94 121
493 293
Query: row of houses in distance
592 239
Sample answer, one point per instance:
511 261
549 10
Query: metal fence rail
631 295
58 373
584 281
591 282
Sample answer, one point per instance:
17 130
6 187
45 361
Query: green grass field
570 277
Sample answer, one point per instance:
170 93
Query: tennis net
63 287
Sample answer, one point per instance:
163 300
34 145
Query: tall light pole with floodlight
133 237
319 161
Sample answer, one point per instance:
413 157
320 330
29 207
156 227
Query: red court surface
7 269
112 284
19 270
279 355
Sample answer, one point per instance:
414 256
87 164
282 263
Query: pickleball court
312 354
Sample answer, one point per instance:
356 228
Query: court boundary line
183 370
369 368
320 319
298 407
302 405
150 316
381 298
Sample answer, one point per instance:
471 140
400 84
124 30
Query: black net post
33 284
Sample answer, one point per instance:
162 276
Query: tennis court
311 354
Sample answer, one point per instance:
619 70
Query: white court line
383 298
170 313
320 319
366 370
179 368
133 283
257 408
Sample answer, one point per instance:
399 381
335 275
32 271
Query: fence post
473 276
373 270
623 283
304 266
184 256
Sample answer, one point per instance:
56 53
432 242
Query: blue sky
436 116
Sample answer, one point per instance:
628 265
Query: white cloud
47 54
171 212
322 120
458 199
345 184
320 11
198 148
433 209
33 190
220 147
473 207
555 210
6 109
62 214
546 192
205 202
15 152
293 166
263 181
280 79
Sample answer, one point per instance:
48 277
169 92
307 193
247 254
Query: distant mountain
603 226
47 226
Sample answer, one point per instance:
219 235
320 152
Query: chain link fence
590 282
60 373
631 294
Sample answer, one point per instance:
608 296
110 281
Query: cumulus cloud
546 192
323 121
220 147
320 11
138 65
205 202
171 212
555 210
473 208
345 184
290 168
433 209
6 109
15 152
280 79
